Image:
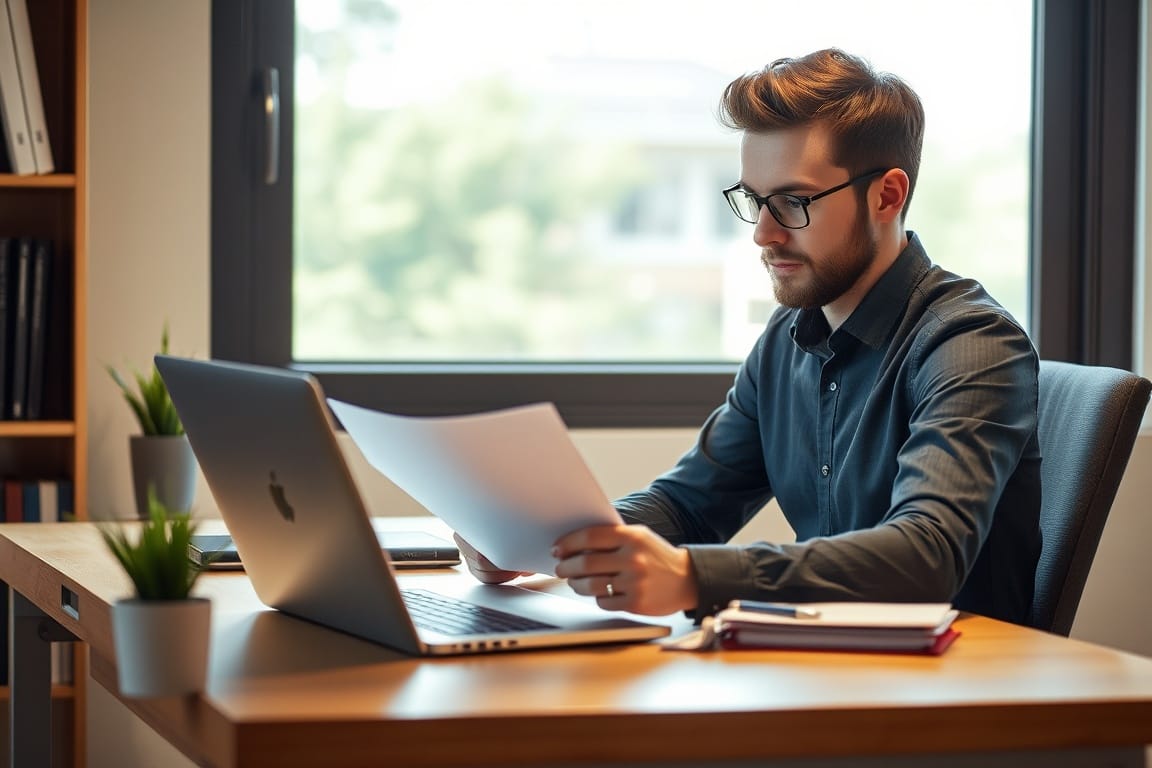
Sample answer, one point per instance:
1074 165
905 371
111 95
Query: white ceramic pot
161 645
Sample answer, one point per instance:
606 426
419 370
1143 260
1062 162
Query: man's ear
893 194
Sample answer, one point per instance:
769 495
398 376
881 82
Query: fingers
624 567
599 537
611 592
627 568
481 567
589 558
594 560
590 564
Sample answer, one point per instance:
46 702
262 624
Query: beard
827 281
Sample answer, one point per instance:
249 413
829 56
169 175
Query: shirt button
832 387
825 470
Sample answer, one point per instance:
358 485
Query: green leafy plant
150 400
157 559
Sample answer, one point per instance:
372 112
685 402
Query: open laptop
266 443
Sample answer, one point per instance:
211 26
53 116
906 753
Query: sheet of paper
510 482
867 615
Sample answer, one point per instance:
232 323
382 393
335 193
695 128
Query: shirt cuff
720 576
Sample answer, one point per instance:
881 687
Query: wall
149 261
148 223
148 164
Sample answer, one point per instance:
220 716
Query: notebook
268 448
406 549
854 626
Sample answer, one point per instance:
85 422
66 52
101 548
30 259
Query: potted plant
161 456
161 634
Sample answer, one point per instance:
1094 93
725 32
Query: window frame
1085 161
1082 252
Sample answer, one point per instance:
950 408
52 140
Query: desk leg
30 636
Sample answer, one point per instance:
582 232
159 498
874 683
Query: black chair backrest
1088 420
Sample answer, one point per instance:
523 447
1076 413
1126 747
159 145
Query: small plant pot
166 463
161 646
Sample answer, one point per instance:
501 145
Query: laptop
267 445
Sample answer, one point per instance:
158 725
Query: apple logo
276 490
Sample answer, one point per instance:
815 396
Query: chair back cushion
1088 420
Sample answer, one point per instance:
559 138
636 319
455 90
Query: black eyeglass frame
803 200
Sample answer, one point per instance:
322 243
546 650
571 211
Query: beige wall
148 223
149 263
149 110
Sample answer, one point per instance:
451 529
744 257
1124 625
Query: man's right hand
481 567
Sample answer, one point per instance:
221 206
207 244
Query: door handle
271 125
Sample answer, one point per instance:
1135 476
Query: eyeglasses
791 211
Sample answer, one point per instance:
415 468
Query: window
468 217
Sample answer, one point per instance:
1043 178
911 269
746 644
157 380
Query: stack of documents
892 627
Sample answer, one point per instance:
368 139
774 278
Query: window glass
524 181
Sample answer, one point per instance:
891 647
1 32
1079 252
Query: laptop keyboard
448 616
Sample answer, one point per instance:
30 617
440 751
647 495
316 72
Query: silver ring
610 590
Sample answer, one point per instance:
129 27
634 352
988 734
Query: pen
778 609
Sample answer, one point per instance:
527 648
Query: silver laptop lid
268 449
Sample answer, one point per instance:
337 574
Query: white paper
510 482
860 615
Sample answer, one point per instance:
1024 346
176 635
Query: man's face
814 266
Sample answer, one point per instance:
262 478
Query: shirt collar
871 321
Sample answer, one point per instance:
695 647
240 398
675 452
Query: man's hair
876 120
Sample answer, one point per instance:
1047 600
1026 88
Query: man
889 406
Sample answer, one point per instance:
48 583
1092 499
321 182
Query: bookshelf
54 207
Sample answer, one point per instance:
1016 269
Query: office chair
1088 420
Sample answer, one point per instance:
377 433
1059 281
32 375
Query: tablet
406 549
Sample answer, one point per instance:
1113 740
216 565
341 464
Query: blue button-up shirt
901 448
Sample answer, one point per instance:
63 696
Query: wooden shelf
37 429
47 181
65 692
54 207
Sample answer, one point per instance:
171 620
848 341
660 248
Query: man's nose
768 231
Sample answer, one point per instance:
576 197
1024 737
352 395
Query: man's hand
627 568
481 567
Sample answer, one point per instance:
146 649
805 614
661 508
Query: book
22 274
7 253
30 490
49 502
5 163
13 501
878 627
64 500
16 137
4 636
37 322
30 85
20 296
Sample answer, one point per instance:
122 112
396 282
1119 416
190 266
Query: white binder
12 112
30 84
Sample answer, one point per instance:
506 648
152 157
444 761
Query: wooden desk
284 692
